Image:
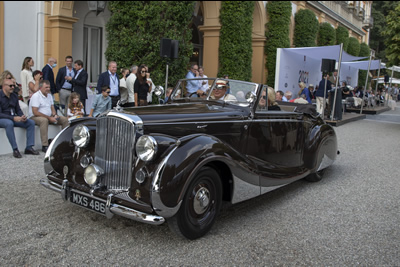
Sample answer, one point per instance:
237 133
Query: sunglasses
108 92
143 71
11 85
220 87
264 97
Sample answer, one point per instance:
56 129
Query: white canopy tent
294 65
394 80
349 70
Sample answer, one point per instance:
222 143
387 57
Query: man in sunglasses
219 92
12 116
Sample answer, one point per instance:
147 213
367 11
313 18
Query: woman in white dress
26 77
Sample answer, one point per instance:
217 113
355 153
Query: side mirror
250 96
159 91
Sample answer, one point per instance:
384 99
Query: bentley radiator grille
115 138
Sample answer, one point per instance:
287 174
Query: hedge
235 43
277 33
135 30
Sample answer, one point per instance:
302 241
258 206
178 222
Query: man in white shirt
130 81
42 112
203 83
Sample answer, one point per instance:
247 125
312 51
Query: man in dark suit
48 74
79 82
110 78
64 87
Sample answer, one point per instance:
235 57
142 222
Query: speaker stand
166 78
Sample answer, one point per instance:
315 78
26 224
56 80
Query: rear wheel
315 177
200 207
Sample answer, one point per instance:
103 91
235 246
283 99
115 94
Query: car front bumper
111 209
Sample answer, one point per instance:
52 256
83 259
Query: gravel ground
349 218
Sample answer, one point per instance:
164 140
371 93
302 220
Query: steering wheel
193 94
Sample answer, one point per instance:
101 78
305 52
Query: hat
221 83
310 85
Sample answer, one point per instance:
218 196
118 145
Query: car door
276 143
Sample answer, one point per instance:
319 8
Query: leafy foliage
235 43
392 36
380 9
277 33
342 36
354 47
326 34
306 28
135 30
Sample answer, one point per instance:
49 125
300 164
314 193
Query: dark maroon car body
204 152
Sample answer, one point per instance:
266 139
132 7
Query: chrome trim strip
158 205
325 162
136 215
232 121
243 190
50 185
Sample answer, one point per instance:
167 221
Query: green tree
326 34
135 30
235 43
392 36
277 33
380 9
305 29
354 47
342 36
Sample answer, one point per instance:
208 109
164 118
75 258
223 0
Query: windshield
227 90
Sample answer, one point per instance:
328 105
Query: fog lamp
93 174
140 176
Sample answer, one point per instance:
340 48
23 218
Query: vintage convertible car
179 161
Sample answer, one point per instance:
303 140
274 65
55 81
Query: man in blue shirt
193 86
101 103
12 116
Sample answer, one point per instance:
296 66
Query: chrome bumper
111 208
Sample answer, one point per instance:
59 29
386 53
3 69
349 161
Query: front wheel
200 207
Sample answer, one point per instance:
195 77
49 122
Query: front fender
181 165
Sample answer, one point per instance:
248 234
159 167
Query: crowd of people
353 97
31 102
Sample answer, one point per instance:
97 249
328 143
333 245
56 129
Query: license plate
88 202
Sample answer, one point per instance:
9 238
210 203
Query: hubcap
201 200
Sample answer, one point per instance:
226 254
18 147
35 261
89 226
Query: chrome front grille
115 140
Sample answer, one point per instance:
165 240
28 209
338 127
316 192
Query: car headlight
81 136
93 174
146 147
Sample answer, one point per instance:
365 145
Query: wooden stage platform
369 111
346 117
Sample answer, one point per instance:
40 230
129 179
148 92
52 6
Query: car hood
188 112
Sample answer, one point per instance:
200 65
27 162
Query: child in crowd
75 106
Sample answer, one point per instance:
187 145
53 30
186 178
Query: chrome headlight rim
92 174
81 136
146 148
